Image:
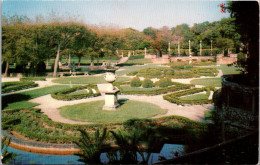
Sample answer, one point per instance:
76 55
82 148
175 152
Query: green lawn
79 92
129 88
19 100
229 69
92 111
195 97
87 80
209 82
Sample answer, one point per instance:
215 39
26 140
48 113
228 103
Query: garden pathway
49 106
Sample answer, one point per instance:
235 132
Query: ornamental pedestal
111 93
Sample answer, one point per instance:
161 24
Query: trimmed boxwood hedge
33 124
176 87
175 97
175 72
63 94
16 85
33 79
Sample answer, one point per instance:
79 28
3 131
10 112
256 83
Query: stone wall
238 103
220 59
161 60
193 58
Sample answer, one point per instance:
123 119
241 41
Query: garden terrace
125 88
196 99
78 92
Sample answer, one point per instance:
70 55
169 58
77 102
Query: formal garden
74 93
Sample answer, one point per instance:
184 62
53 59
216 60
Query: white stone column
133 52
145 51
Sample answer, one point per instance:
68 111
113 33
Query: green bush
63 94
147 83
16 85
165 82
67 74
79 73
203 60
32 79
135 82
136 57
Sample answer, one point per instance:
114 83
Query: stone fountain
110 92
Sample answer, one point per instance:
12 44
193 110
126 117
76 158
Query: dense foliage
31 44
135 82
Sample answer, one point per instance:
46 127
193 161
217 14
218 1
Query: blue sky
124 13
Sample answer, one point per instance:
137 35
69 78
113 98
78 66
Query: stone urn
110 77
110 93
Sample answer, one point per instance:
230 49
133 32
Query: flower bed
65 94
16 85
176 87
175 97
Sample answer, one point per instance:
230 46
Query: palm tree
6 156
91 146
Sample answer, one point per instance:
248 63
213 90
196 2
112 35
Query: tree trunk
56 62
6 69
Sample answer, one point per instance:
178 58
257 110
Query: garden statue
111 92
73 67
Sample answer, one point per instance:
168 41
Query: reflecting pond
168 151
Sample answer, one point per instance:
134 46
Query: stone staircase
122 60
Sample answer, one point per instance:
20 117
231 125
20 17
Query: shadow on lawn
122 101
7 99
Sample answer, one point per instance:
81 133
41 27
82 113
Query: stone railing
238 102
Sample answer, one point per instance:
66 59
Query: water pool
168 151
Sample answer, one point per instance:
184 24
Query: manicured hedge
174 72
176 87
33 79
17 85
175 97
63 94
33 124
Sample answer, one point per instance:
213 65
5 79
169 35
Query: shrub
169 72
40 67
147 83
135 82
17 85
203 60
179 60
80 73
67 74
165 82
